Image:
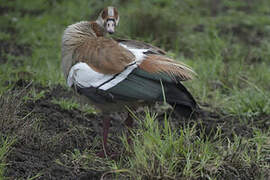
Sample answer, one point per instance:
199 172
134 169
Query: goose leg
106 126
129 123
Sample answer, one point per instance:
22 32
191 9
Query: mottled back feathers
162 64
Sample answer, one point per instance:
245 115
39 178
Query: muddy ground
45 132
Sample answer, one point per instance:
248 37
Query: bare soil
44 132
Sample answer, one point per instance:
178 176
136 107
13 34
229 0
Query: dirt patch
8 48
45 132
247 34
217 7
5 10
33 12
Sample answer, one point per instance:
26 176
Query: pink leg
129 124
106 126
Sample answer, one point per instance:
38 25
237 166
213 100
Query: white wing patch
138 53
84 76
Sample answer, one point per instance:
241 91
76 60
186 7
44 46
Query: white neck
100 21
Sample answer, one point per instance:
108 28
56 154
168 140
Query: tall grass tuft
5 147
160 151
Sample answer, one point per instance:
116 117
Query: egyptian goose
114 73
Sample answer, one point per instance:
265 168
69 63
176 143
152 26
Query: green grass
66 104
71 104
221 60
160 152
5 147
33 95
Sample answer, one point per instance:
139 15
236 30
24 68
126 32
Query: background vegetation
45 132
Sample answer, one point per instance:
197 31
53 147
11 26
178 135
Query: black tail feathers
186 111
181 100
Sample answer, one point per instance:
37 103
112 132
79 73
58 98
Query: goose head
108 19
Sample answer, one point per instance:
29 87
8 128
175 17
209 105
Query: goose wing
133 44
103 55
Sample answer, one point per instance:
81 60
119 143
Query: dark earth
45 131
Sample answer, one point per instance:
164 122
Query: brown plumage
101 54
162 64
99 32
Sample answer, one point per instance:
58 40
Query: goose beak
110 31
110 26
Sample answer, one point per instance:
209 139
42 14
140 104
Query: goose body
113 73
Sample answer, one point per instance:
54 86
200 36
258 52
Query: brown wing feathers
104 55
159 64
